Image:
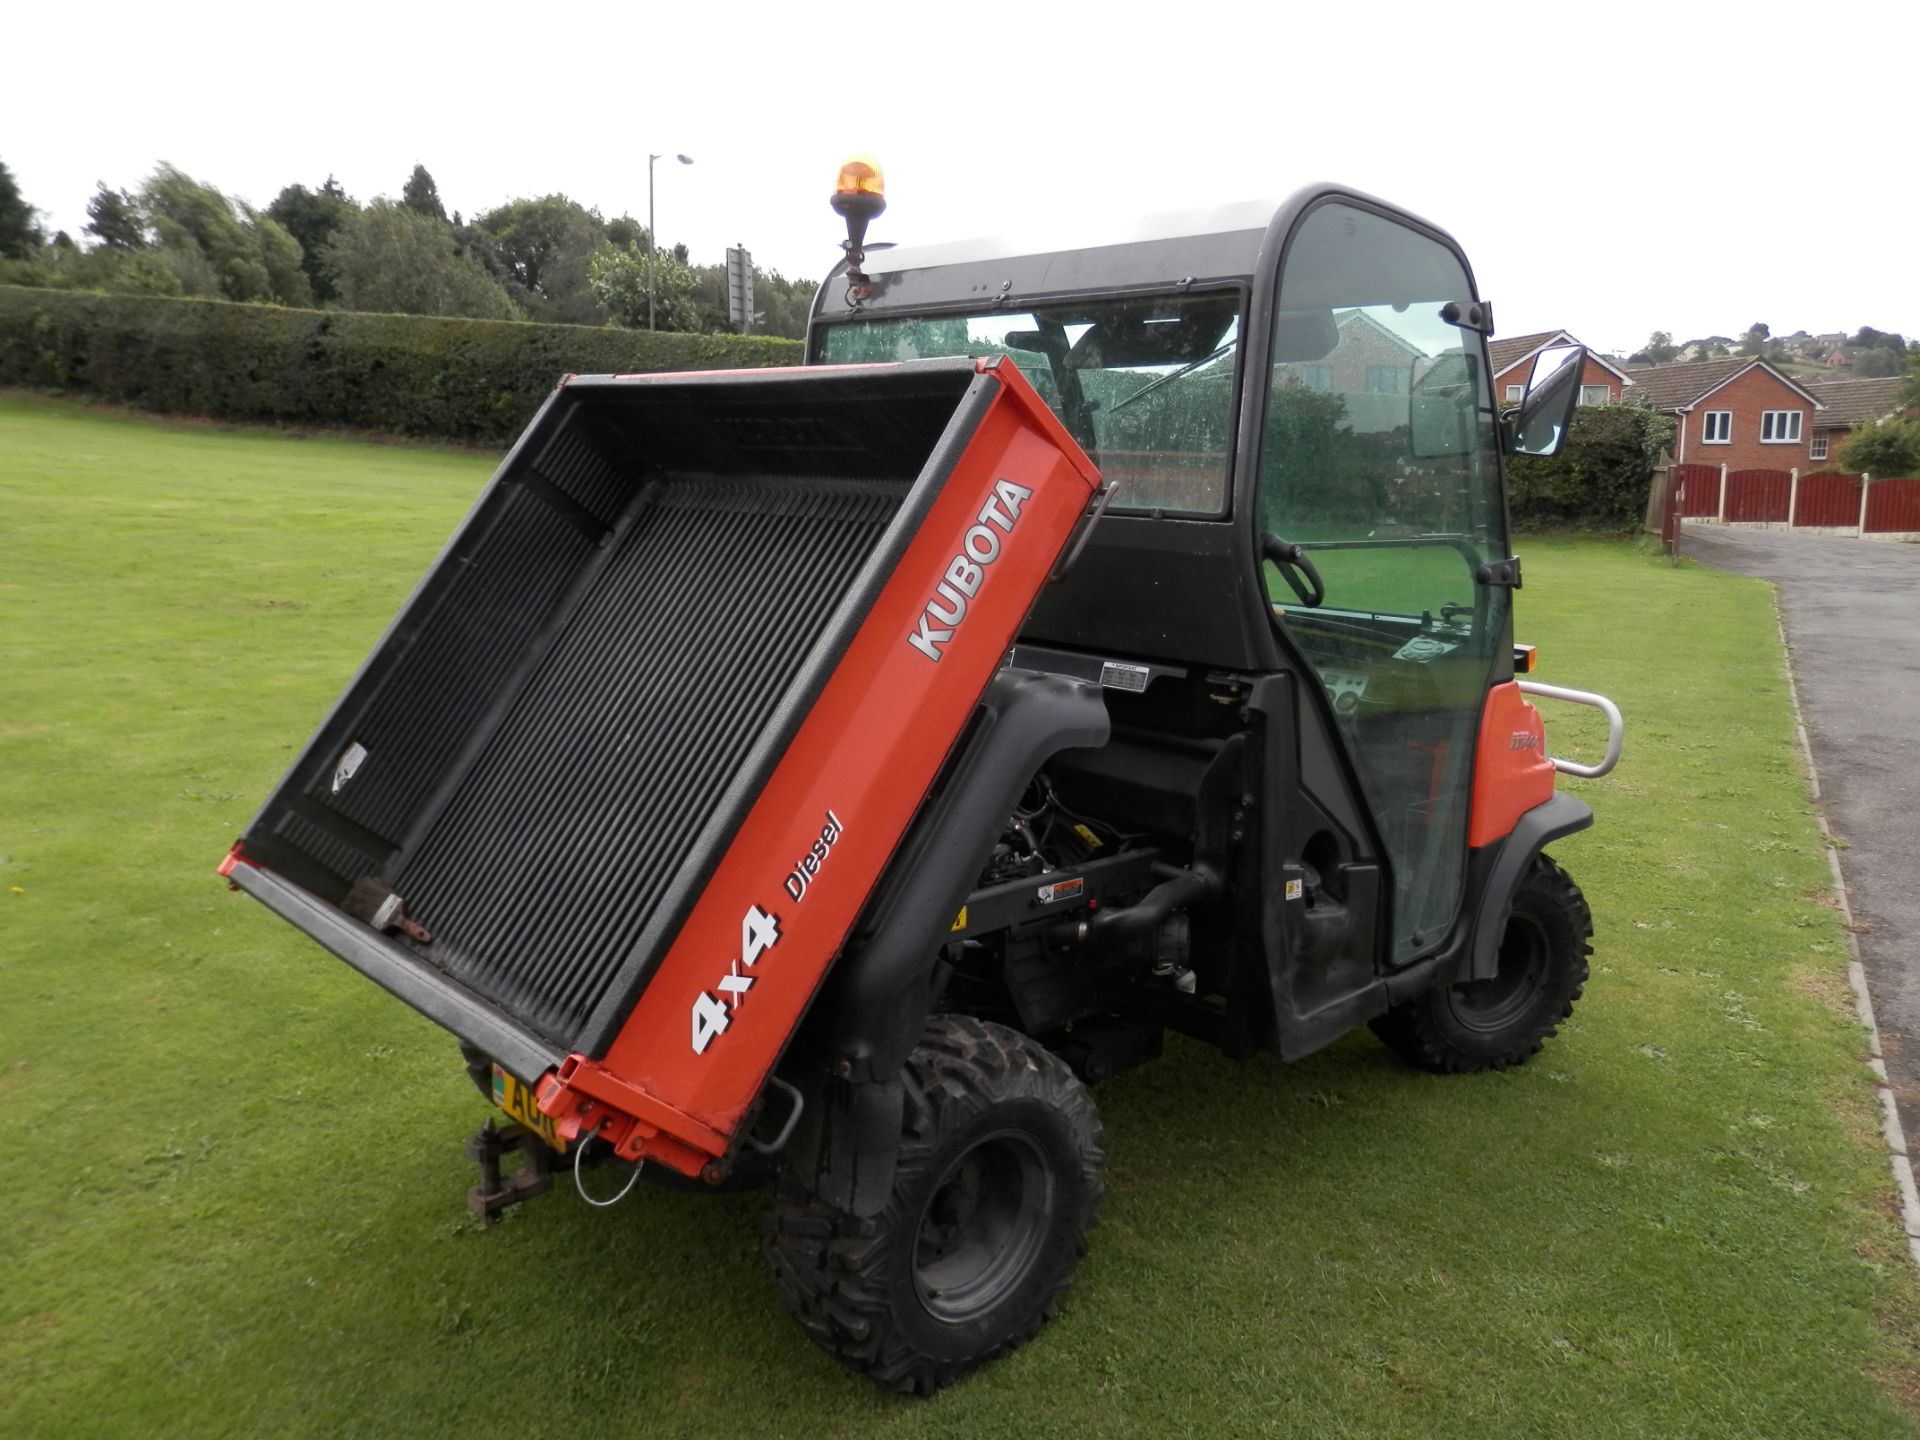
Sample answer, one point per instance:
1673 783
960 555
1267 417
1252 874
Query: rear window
1146 385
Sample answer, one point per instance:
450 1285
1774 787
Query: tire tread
1413 1031
831 1268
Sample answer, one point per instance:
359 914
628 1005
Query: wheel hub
983 1226
1496 1003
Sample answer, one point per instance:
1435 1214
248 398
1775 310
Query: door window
1388 476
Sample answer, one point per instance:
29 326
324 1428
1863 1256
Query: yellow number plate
517 1100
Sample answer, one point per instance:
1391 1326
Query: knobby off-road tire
997 1185
1491 1024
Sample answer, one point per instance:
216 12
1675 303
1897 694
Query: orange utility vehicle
818 777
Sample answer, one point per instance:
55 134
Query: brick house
1849 405
1741 413
1368 359
1601 384
1374 370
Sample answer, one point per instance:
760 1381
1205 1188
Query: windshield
1145 385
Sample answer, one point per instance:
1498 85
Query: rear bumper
393 968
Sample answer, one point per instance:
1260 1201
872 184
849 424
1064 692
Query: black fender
1536 829
874 1004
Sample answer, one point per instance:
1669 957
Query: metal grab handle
1616 727
799 1103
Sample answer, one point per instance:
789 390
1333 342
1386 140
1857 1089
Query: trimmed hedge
1601 476
477 381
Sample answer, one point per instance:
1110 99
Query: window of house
1819 450
1716 427
1389 379
1780 427
1316 377
1516 393
1595 395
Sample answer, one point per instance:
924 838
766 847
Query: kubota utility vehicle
819 776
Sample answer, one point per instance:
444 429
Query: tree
541 250
618 279
281 256
1660 350
311 217
1890 448
391 258
1876 362
114 219
217 249
19 223
1910 392
1868 338
781 305
422 196
624 232
63 265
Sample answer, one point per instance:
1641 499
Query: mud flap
1533 832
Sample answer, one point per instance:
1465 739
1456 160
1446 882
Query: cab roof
1215 244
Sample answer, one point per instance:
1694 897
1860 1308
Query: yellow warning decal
960 920
1087 835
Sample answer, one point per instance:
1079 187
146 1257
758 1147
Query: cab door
1377 457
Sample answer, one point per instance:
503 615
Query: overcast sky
1612 168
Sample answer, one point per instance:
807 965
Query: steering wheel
1292 562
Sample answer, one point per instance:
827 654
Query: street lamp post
653 235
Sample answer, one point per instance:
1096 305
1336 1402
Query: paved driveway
1852 612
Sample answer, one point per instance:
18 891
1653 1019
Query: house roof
1507 354
1680 387
1855 402
1360 317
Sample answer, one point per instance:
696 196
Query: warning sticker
1295 889
959 921
1116 676
1061 890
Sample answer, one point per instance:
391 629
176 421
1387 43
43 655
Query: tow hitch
498 1191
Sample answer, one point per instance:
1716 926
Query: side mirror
1553 392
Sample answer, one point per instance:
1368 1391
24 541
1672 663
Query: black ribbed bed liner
542 871
550 749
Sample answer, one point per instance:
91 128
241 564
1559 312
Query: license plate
517 1100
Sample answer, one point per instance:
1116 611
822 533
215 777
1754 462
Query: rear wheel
1491 1024
997 1183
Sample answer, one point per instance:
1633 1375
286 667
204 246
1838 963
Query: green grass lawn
232 1171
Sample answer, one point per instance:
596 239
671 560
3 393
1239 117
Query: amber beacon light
859 195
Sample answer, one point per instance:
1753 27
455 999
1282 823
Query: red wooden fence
1759 495
1828 500
1892 505
1700 489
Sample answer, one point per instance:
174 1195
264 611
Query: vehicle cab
1291 406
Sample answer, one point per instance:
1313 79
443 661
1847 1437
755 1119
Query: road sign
740 287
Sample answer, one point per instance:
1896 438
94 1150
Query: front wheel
996 1187
1491 1024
